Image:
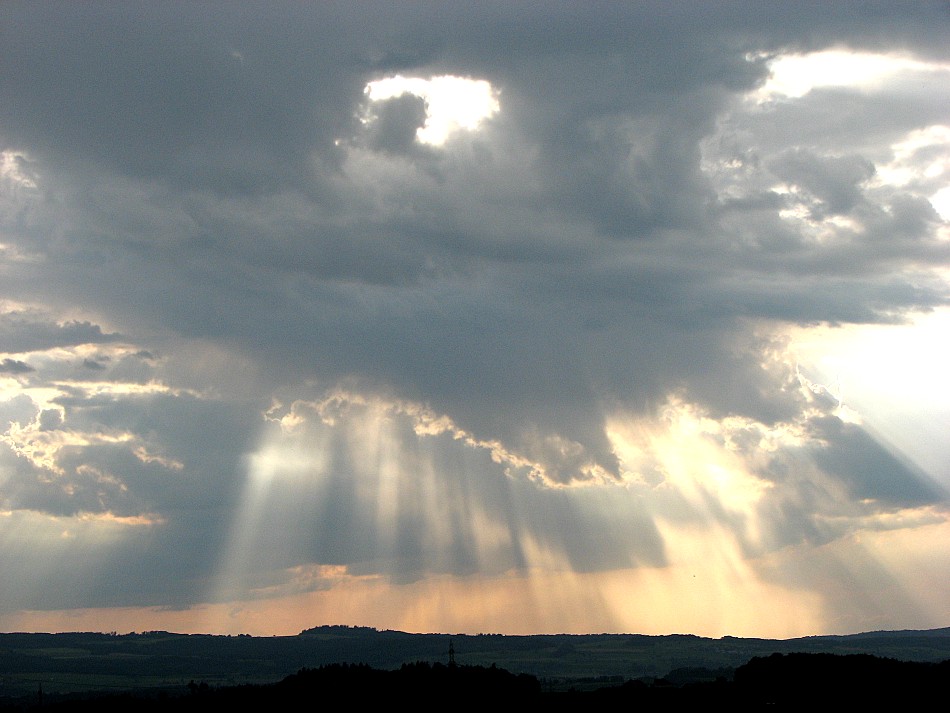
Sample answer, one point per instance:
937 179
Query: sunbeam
483 316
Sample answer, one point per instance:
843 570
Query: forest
780 681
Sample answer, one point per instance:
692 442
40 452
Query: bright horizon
596 319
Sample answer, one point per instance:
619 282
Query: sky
495 317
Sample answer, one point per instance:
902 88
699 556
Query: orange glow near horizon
702 497
630 601
707 592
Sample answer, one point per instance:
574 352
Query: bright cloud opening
894 377
452 103
794 75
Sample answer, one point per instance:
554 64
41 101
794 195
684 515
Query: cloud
22 333
395 123
269 306
835 182
15 366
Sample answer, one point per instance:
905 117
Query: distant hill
158 660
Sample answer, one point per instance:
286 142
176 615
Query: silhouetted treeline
780 681
796 681
421 684
842 680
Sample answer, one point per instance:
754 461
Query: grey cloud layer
611 236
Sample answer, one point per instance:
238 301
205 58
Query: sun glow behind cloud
922 158
719 576
894 378
718 588
889 377
794 75
452 103
562 362
695 475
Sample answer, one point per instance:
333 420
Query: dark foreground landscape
161 670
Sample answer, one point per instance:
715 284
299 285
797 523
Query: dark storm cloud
869 469
204 90
394 123
205 183
836 183
615 130
614 123
15 366
23 333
